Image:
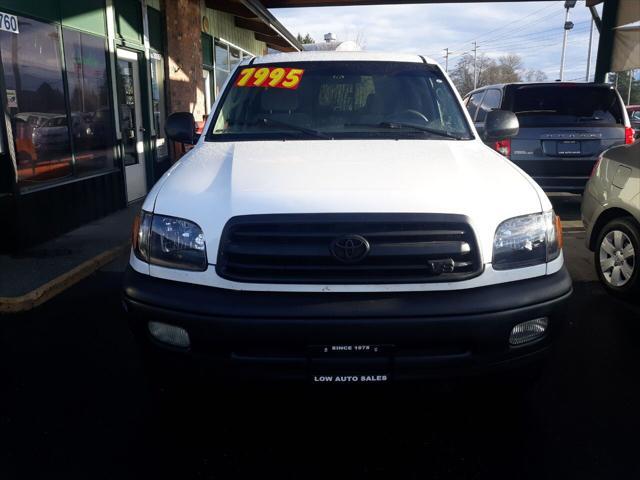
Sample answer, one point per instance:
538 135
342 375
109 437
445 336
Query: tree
505 69
535 76
462 74
306 39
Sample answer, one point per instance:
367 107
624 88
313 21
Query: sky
534 30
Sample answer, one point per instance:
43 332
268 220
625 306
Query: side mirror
181 127
500 124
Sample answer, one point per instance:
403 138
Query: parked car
332 223
49 133
634 117
563 128
611 215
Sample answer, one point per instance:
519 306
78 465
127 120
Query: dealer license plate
350 363
568 147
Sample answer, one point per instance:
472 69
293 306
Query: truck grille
348 249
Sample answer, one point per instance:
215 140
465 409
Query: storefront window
91 114
222 65
235 57
207 75
226 59
32 66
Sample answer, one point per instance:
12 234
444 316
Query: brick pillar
184 57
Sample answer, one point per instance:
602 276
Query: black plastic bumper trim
192 299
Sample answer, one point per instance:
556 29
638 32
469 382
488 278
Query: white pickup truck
340 220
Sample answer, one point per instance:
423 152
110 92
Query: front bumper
272 335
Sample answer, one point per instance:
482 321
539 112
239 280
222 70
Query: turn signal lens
134 231
140 235
559 236
554 235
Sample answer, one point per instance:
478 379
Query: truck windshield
566 105
325 100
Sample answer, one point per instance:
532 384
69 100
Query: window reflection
157 95
127 111
35 99
226 58
235 57
91 118
221 65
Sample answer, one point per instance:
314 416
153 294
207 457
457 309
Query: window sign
12 99
276 77
8 23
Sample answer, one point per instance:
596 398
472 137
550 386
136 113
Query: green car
611 216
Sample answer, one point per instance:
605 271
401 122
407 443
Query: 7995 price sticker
275 77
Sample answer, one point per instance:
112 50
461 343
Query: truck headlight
169 242
527 240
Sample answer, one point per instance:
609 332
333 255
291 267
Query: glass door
130 116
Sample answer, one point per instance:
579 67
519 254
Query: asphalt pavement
75 404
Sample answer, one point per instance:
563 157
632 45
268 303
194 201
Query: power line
521 45
514 38
509 27
509 24
517 44
537 33
525 42
519 29
527 50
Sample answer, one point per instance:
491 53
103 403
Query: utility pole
446 60
568 4
589 54
475 62
629 91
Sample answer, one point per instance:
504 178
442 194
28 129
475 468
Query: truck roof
329 56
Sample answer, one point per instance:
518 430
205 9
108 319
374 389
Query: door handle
142 129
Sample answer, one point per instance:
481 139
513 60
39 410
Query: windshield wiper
401 125
309 131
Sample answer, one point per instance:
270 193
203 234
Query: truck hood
216 181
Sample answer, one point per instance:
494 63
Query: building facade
87 85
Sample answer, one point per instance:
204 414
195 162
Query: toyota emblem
350 248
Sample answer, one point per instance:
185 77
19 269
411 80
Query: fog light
528 331
170 334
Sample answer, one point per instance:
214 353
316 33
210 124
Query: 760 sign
8 23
